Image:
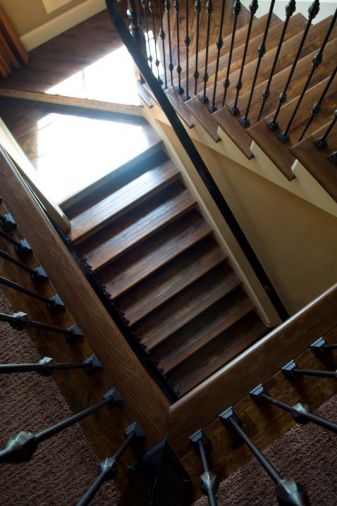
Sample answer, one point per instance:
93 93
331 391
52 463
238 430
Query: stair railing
193 153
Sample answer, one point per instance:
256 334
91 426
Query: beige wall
295 241
29 14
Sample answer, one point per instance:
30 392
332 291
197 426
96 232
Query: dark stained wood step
268 140
217 353
150 255
187 305
229 311
317 161
121 201
162 286
200 110
302 69
139 230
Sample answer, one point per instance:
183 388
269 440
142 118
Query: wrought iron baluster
260 54
22 247
38 274
208 479
317 60
287 491
226 83
47 365
322 142
7 222
197 7
21 321
54 302
209 9
108 467
320 346
187 42
176 7
162 35
156 61
253 8
219 45
21 447
135 27
312 13
291 371
168 9
317 106
148 45
300 412
290 9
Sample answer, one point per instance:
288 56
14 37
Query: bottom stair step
217 353
203 330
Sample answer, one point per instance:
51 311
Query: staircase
279 99
146 241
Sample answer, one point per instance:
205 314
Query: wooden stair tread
302 68
139 230
200 110
216 354
267 139
119 202
188 304
151 255
215 326
234 130
316 161
179 274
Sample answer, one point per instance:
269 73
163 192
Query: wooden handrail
143 399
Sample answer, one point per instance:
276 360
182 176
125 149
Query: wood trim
143 399
256 365
86 103
27 171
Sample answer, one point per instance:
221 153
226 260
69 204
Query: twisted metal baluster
253 8
197 6
176 6
219 44
312 13
162 35
226 83
156 62
321 142
260 52
316 61
168 8
290 9
209 8
149 53
187 41
317 106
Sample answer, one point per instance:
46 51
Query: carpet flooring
64 466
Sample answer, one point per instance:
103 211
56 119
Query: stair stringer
212 215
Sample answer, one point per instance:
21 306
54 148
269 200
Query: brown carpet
63 467
307 454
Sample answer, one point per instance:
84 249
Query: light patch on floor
110 79
73 152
